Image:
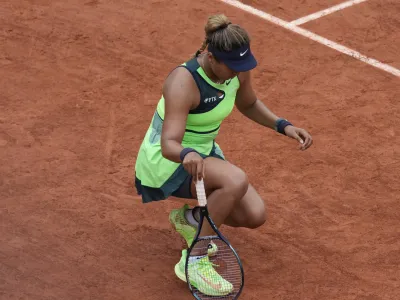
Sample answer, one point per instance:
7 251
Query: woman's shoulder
180 86
180 78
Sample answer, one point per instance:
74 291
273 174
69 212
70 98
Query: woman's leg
231 200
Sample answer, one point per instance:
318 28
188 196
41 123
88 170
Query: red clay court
79 82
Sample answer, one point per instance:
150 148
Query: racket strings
213 270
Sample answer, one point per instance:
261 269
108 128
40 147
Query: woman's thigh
219 174
249 208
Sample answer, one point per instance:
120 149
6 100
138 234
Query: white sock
189 217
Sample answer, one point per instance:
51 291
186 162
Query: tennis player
180 148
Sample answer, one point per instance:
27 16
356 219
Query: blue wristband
185 151
281 124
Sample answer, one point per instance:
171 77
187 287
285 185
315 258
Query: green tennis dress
156 177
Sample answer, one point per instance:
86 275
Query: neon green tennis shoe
182 226
203 276
186 230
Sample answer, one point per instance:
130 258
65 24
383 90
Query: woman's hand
300 135
194 165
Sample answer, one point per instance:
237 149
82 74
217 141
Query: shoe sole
178 273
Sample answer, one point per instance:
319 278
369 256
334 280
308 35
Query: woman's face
220 69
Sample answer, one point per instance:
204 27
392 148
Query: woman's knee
257 218
256 214
250 214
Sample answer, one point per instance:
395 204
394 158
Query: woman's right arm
176 91
181 95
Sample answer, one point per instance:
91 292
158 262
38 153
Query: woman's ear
211 58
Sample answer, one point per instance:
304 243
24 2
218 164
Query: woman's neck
205 65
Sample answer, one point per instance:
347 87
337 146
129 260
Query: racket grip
201 193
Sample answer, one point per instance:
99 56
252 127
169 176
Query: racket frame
205 214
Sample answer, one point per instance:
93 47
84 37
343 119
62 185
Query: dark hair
223 35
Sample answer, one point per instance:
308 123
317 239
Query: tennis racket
213 269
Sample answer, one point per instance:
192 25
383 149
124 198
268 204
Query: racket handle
201 193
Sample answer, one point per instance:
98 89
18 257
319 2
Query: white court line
313 37
325 12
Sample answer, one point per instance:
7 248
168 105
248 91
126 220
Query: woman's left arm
254 109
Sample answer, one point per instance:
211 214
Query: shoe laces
205 264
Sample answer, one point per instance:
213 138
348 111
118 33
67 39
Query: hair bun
219 35
215 23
